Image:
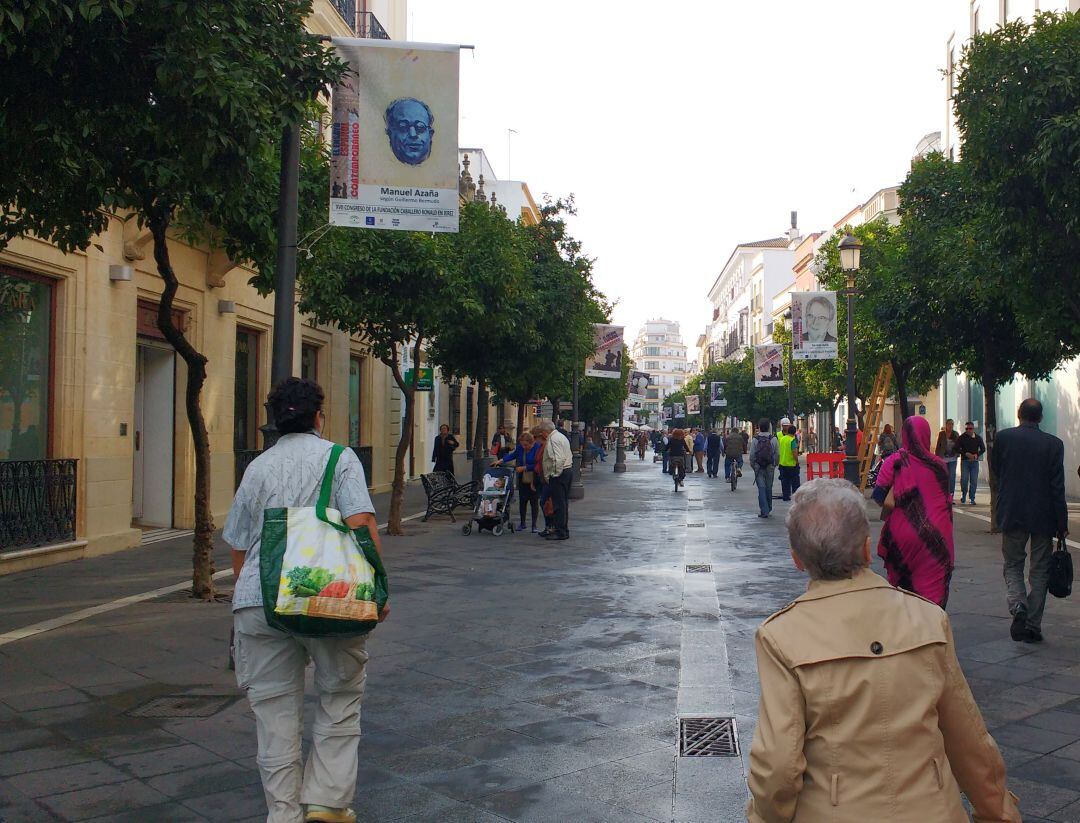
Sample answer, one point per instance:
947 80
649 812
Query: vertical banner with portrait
768 365
693 404
716 395
394 141
606 361
639 385
678 410
813 325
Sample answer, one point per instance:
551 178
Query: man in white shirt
557 463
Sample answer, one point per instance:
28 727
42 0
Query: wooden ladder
872 420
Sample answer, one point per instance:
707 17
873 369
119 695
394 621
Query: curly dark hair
295 402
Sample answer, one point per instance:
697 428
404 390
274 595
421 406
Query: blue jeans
789 481
969 479
763 479
951 466
713 464
728 462
664 453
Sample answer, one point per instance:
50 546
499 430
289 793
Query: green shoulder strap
327 487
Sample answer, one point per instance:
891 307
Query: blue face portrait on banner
410 125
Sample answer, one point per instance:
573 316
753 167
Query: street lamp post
850 252
790 371
620 445
577 444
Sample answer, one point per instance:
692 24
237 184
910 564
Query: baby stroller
493 499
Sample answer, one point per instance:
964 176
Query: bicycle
733 473
678 471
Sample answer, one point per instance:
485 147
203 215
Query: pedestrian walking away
642 444
699 450
948 450
888 443
714 446
865 714
1029 465
678 456
916 540
442 454
270 663
524 459
764 458
971 449
788 444
557 462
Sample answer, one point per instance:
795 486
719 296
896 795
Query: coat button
876 647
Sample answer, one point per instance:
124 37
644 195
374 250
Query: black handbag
1061 571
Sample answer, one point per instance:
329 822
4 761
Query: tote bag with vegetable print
319 578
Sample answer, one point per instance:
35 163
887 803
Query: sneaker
544 533
1033 636
1019 630
521 526
534 531
325 814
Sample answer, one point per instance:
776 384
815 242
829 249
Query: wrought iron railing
368 25
37 502
347 9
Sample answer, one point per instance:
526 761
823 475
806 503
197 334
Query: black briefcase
1061 571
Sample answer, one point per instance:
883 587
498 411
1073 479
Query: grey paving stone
1032 738
44 757
229 806
67 778
203 780
542 802
103 800
24 739
167 813
1050 769
124 744
45 698
427 759
1040 799
165 761
472 782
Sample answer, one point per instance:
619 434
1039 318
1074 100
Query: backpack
764 446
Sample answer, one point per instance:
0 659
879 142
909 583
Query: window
246 391
309 361
652 350
26 314
356 376
652 364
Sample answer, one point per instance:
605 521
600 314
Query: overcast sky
686 128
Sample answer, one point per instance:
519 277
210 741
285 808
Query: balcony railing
37 502
368 25
347 9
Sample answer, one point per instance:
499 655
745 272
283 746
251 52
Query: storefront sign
394 141
425 380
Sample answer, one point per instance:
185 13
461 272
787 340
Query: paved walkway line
130 600
986 519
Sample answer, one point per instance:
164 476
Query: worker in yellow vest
789 459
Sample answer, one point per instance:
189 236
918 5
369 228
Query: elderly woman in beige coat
865 714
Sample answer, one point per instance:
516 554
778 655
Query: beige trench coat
866 716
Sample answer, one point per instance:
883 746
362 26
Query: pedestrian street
516 679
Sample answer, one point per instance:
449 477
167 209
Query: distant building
659 350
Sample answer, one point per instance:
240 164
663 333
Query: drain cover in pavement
183 705
708 737
699 568
695 525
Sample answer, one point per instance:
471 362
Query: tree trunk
480 439
989 387
901 389
397 489
202 560
521 413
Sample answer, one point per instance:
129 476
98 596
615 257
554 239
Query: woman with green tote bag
302 481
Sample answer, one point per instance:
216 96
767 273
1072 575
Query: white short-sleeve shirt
288 475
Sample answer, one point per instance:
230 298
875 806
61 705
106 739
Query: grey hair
546 426
828 528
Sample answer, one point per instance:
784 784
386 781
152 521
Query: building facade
659 350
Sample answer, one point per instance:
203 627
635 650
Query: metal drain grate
698 568
183 706
708 737
695 525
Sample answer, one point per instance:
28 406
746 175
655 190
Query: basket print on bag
320 578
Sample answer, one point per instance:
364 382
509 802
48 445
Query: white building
960 396
659 350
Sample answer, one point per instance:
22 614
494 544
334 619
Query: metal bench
444 494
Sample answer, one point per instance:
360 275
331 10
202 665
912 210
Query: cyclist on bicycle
734 448
677 452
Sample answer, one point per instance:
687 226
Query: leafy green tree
1016 103
146 109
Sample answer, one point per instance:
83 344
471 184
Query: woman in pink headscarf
917 539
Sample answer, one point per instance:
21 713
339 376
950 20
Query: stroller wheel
466 529
497 530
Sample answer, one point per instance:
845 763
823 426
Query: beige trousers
270 667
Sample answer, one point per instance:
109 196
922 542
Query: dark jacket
442 454
714 443
946 447
970 444
1030 469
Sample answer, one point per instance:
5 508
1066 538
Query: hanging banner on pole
607 359
693 404
679 410
768 365
813 325
716 395
639 384
394 141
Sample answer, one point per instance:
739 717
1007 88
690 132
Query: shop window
309 361
356 374
26 321
246 390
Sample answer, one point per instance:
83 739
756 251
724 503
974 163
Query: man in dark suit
1030 469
